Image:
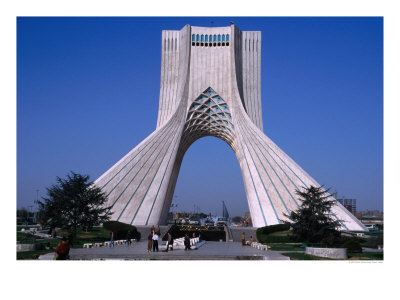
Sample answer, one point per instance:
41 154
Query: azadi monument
210 86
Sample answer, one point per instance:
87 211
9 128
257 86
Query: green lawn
366 256
26 238
32 254
95 235
303 256
286 247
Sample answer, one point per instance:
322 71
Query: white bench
88 245
260 246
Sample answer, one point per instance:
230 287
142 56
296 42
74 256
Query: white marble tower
210 86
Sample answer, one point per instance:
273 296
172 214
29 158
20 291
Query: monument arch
210 85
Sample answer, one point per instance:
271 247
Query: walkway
209 251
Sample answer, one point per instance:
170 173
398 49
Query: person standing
153 230
149 242
62 250
155 242
112 239
243 239
158 231
187 242
128 238
170 242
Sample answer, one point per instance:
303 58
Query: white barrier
339 253
89 245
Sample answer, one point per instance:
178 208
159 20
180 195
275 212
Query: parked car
209 222
371 227
194 221
222 221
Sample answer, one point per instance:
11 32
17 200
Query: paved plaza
208 251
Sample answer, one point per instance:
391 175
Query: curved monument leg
137 185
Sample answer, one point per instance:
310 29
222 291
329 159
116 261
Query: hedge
263 234
352 246
121 229
273 228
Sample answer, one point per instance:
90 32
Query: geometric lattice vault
210 86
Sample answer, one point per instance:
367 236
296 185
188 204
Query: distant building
349 204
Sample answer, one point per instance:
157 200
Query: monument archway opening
209 175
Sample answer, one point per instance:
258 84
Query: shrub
332 240
121 229
352 246
263 234
273 228
374 241
273 239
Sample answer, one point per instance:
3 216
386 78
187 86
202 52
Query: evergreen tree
313 221
74 203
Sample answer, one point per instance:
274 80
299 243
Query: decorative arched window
206 38
202 38
223 37
197 38
219 37
193 38
210 38
227 37
215 37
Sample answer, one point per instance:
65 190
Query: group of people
249 242
154 236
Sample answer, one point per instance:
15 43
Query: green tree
313 221
23 214
74 203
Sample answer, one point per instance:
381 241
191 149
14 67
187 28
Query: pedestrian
153 229
170 242
112 239
62 250
243 239
158 231
187 242
149 242
194 235
53 233
155 242
128 238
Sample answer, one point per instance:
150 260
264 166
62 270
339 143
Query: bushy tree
313 221
23 214
74 203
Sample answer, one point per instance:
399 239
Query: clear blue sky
87 93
